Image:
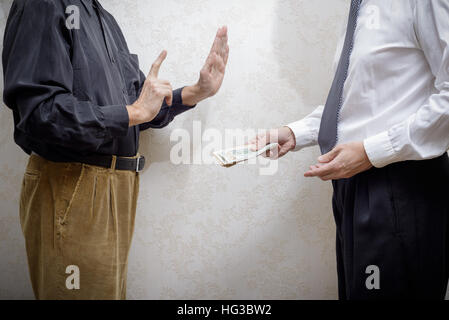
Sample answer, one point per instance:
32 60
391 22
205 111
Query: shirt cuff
304 136
177 96
380 150
116 120
178 103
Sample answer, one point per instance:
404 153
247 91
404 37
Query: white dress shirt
396 96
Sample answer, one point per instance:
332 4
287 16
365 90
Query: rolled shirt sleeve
39 86
425 134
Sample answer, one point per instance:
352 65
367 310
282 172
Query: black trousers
395 219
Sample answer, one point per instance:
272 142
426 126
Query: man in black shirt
79 102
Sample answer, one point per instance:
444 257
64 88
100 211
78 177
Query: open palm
212 74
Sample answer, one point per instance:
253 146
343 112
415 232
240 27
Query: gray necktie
328 135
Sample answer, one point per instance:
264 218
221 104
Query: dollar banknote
232 156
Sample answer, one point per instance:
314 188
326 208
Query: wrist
291 136
365 155
192 95
136 115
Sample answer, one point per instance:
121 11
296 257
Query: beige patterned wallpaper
204 232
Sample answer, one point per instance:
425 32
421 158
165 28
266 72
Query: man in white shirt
384 133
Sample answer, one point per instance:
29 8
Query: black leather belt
129 164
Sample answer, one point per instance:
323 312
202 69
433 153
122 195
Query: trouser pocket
67 183
72 191
30 184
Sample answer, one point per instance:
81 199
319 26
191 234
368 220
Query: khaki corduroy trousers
77 217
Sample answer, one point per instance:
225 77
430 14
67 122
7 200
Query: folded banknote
232 156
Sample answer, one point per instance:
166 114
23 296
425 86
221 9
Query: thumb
260 141
283 150
328 157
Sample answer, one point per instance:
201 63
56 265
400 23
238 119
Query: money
232 156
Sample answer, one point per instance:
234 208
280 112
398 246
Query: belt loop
113 162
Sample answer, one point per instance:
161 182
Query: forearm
67 122
135 115
424 135
192 95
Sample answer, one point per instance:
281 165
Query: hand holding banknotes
283 136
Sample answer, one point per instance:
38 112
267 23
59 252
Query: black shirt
68 88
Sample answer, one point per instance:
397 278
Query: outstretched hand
344 161
283 136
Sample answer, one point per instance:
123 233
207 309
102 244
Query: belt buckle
140 160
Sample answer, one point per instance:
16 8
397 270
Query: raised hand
213 71
154 91
212 74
